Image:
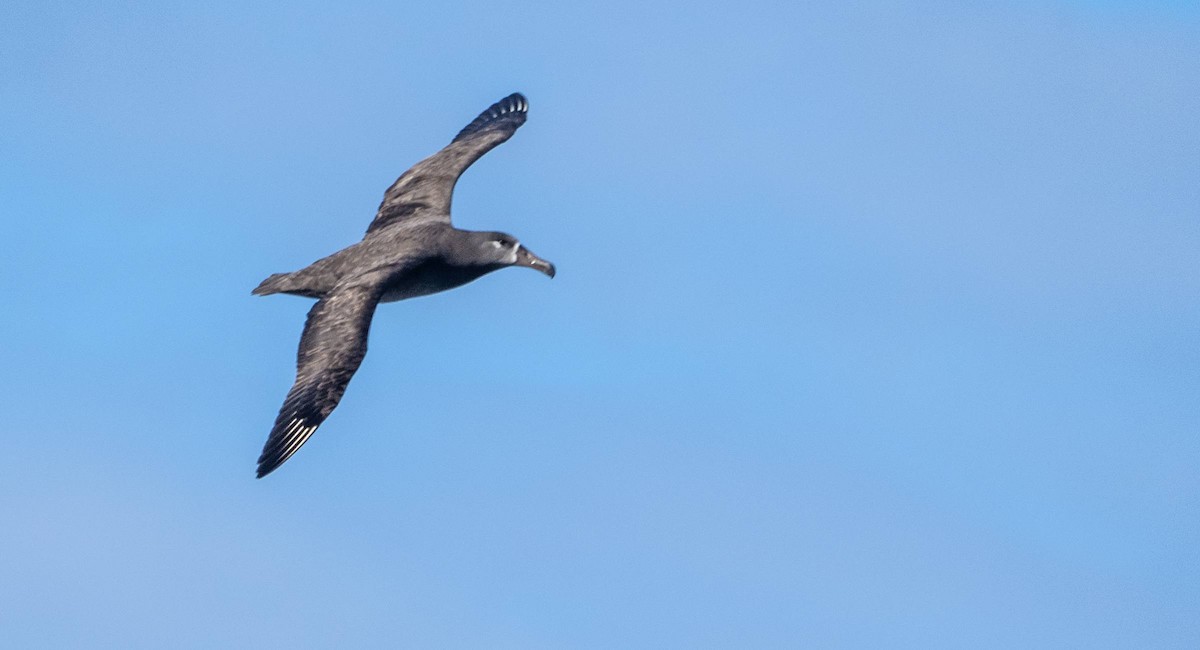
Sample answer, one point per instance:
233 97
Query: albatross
410 249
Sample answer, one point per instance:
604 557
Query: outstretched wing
332 347
425 189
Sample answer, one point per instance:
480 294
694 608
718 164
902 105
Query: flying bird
410 249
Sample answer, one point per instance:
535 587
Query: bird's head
502 249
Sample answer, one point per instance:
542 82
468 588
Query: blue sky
875 326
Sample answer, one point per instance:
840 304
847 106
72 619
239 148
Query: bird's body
411 249
419 252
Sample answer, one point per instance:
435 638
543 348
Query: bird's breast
430 277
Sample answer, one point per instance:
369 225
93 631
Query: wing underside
331 349
425 190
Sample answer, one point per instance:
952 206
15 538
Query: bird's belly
413 290
427 279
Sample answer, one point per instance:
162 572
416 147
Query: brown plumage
410 249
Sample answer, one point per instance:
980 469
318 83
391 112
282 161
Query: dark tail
273 284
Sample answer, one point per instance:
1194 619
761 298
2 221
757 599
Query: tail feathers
273 284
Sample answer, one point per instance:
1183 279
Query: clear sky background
876 325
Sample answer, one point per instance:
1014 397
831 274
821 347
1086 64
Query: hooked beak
525 257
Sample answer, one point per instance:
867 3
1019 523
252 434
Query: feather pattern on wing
424 192
331 349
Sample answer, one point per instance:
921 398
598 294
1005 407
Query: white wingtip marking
302 436
291 427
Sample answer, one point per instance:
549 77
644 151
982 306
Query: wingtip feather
283 443
512 108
